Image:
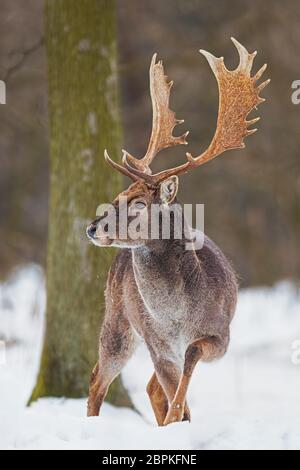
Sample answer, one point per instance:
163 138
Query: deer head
238 95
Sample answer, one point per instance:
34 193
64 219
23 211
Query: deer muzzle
96 235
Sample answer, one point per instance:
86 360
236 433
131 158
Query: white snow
247 400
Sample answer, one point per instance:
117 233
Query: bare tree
84 118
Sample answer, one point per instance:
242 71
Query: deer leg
176 409
117 344
205 349
158 399
97 392
168 376
101 379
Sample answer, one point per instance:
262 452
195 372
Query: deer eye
139 205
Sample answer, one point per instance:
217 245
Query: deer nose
91 230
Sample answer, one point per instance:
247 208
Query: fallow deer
179 302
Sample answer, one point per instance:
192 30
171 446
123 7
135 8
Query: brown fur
180 302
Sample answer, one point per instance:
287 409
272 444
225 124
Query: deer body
170 298
179 301
183 296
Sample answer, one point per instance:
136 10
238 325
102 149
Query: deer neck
160 268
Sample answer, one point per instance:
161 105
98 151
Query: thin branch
24 55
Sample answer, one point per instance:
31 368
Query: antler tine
246 59
119 168
238 95
259 73
140 174
163 120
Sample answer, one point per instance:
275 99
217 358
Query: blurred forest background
251 197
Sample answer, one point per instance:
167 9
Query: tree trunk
84 119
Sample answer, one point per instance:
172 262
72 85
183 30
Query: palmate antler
163 121
238 95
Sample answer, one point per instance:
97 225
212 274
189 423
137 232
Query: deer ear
168 189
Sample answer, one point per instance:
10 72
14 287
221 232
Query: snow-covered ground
247 400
